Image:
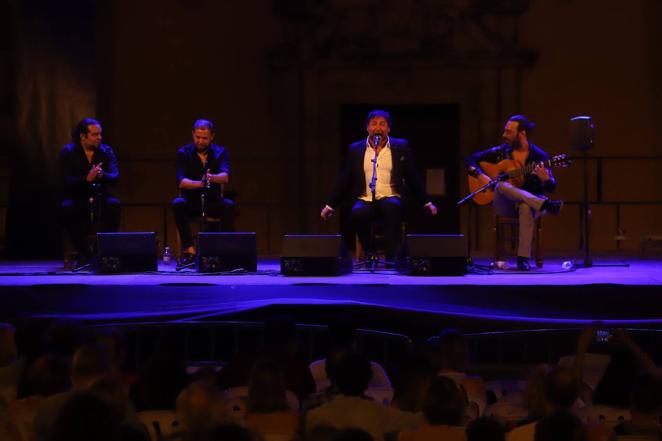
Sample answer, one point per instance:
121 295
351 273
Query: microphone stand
490 185
95 215
371 259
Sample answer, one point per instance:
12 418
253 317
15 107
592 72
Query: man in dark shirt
527 202
202 169
88 169
394 171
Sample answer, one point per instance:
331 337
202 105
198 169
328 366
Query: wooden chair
195 223
506 230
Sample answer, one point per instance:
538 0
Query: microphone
376 138
207 180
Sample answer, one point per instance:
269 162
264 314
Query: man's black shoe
552 207
523 264
187 259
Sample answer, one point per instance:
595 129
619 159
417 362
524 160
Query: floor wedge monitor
314 255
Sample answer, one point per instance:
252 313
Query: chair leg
537 247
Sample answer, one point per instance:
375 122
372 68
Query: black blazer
351 182
74 168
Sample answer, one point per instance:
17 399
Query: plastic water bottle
167 256
567 265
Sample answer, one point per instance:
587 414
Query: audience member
351 409
89 364
413 379
267 411
560 390
281 346
454 364
342 337
443 409
112 392
200 407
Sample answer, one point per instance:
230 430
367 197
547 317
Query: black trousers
390 211
82 219
186 208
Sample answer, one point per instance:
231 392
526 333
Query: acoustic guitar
509 170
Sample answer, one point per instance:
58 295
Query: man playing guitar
521 196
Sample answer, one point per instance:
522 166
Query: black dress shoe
552 207
187 259
523 264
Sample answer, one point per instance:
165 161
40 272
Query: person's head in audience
49 375
90 363
113 340
85 417
8 351
352 434
266 389
200 407
353 375
444 402
616 383
412 382
342 335
453 351
561 389
647 394
333 359
485 429
560 426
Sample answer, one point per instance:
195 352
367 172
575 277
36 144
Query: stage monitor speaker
435 255
219 252
314 255
126 252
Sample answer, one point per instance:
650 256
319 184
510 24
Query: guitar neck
526 169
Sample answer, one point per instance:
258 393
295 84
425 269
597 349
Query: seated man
526 202
378 196
202 168
89 170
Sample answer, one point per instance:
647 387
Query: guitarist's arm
472 161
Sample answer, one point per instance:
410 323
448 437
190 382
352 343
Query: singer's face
91 139
378 126
202 139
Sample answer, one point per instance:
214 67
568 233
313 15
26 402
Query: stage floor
552 296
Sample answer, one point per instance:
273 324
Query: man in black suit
88 169
380 197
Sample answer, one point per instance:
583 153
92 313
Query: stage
481 300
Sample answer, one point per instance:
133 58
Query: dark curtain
53 53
